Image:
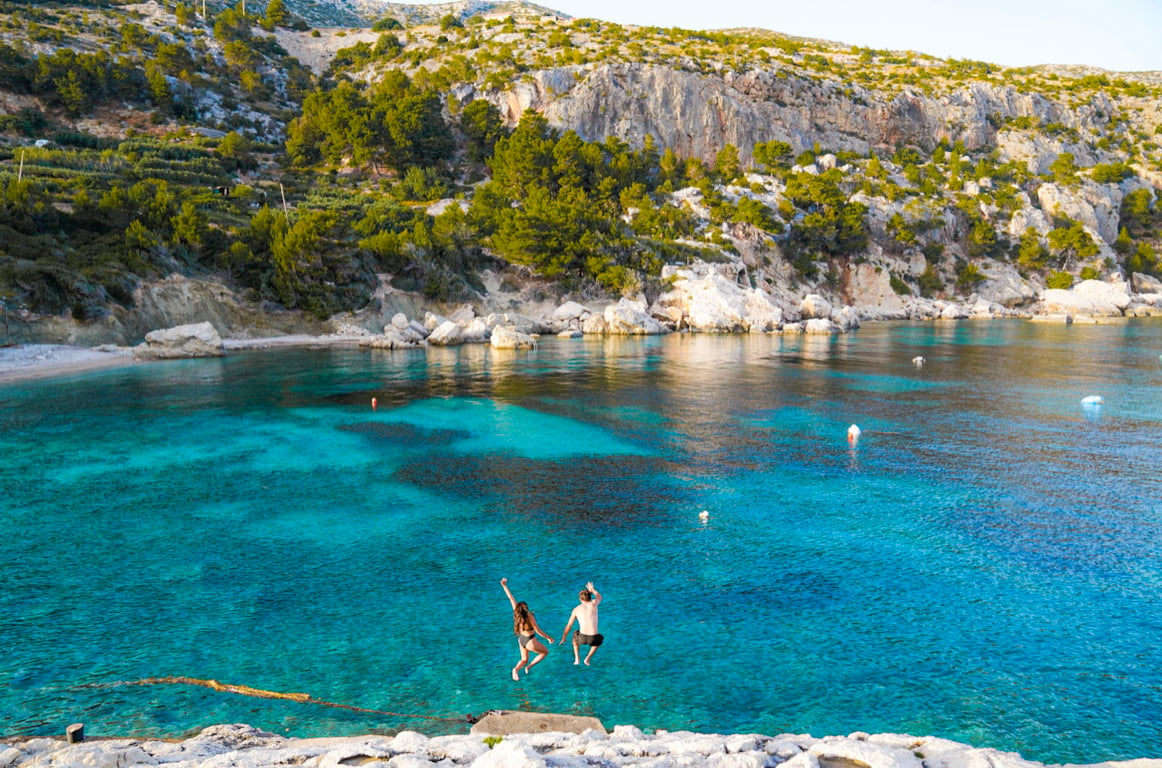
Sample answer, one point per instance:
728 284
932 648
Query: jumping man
585 614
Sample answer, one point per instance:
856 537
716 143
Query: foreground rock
242 746
183 341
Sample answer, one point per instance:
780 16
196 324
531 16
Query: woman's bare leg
540 650
524 659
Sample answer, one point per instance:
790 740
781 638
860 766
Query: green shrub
899 286
930 282
1062 280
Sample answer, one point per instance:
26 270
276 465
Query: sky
1118 35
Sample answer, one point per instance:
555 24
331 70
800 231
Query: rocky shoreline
242 746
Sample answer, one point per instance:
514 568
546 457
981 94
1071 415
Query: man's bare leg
576 651
592 650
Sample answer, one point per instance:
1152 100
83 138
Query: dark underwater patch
611 489
409 434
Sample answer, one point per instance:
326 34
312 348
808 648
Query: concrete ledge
503 722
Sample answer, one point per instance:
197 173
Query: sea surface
984 564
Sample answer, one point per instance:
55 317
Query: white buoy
853 433
1092 400
918 360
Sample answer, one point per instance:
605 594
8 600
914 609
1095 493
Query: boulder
1004 285
628 318
522 323
478 330
570 310
463 315
847 319
594 325
705 300
505 722
953 312
1093 298
183 341
393 338
814 306
1145 283
447 334
819 326
508 337
398 321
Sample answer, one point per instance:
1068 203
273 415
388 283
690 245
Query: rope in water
302 698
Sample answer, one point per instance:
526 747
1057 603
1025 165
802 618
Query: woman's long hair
522 619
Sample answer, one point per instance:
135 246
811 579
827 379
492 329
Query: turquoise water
984 565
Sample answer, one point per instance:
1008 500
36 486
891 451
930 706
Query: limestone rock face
183 341
1093 298
508 337
1094 205
695 114
870 288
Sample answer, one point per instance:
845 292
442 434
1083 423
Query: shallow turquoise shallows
984 564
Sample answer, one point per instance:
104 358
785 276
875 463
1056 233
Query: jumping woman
524 626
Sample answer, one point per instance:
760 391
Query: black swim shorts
594 640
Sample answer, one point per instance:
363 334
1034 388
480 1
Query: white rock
570 310
594 325
399 321
463 315
507 337
447 334
702 299
820 326
953 312
183 341
432 321
628 318
477 330
510 753
847 319
814 306
410 761
571 333
1145 283
410 741
1094 298
738 760
458 749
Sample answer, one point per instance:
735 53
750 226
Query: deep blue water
984 565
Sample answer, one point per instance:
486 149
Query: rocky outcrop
702 299
1089 298
626 745
183 341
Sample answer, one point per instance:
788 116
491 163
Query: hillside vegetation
142 140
